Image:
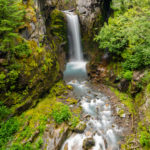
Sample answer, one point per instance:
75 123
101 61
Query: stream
101 131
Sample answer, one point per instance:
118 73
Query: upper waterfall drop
76 67
74 37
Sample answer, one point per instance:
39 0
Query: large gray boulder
88 11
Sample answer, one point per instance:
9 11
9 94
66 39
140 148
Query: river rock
66 146
88 133
2 61
80 127
137 75
88 143
123 85
54 137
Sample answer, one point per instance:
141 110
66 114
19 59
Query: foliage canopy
127 35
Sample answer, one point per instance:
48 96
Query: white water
100 123
75 48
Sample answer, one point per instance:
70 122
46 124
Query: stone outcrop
80 127
93 13
88 143
44 66
88 12
54 137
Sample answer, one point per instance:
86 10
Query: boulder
123 85
80 127
88 11
54 137
137 75
88 143
135 88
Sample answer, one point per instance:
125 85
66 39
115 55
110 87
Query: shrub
74 121
58 25
145 138
127 37
39 143
10 19
4 111
8 129
18 146
61 113
2 80
128 75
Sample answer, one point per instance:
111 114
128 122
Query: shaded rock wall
92 14
88 12
43 68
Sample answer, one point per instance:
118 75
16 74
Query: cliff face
39 71
88 12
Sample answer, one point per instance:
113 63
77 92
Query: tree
127 36
11 17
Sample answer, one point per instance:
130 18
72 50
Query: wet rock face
88 11
54 137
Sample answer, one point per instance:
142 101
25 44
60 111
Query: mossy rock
121 113
72 101
69 87
80 127
88 143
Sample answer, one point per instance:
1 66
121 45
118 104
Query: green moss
146 78
139 100
58 25
116 67
129 142
2 80
72 101
74 121
148 89
7 129
58 89
121 112
4 111
125 99
143 134
69 87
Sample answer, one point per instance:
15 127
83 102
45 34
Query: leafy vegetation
74 120
127 35
144 135
128 75
58 25
61 113
12 45
4 111
7 129
11 19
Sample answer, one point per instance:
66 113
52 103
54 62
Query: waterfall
76 67
75 48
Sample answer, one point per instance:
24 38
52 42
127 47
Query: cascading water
75 48
76 68
99 123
